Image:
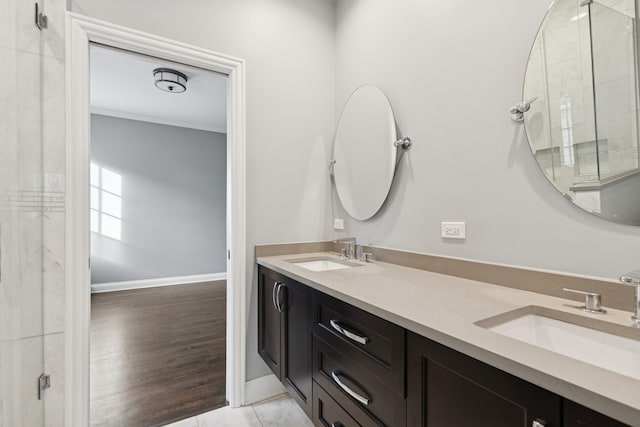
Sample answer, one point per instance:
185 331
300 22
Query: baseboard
152 283
262 388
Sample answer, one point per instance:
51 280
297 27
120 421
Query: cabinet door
578 416
270 320
447 388
297 367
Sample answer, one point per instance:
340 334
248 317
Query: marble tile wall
32 153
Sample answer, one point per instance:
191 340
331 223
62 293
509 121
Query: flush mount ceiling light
170 80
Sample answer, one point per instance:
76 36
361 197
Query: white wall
173 201
289 49
452 70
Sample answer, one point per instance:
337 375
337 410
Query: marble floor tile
189 422
281 412
228 417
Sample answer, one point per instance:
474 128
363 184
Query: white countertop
444 308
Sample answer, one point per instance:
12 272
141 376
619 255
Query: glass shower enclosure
31 213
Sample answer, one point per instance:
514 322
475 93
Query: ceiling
122 85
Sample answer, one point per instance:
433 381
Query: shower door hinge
44 382
41 18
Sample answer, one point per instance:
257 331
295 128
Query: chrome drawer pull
538 423
336 377
337 424
347 333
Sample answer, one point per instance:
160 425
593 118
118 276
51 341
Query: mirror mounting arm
404 143
518 110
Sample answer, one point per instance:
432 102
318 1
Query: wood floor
157 354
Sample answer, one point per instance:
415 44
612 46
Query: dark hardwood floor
157 354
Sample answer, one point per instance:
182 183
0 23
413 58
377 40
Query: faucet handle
632 278
366 256
592 301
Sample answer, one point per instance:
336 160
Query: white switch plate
338 224
454 230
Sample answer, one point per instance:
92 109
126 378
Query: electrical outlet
338 224
454 230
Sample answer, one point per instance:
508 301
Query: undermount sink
607 345
322 263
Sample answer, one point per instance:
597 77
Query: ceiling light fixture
170 80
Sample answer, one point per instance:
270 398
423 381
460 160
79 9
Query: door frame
80 32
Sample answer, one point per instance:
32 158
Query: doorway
82 31
158 169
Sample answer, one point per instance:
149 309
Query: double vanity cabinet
346 368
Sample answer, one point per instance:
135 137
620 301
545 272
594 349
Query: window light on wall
106 202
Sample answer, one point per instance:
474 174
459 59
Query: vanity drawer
356 389
374 344
327 412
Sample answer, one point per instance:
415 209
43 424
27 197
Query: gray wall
173 200
452 70
288 46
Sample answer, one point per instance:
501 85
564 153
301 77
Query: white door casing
80 32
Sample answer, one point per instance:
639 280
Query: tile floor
280 411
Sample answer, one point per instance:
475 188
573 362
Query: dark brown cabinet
346 367
284 333
270 322
575 415
447 388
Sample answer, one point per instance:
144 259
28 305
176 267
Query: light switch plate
454 230
338 224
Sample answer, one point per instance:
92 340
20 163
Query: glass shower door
21 256
31 213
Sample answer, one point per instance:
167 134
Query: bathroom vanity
377 344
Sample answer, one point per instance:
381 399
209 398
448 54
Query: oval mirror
582 86
364 154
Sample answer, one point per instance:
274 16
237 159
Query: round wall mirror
582 86
364 152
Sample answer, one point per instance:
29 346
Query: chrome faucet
351 251
633 279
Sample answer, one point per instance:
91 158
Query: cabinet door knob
347 333
538 423
337 424
336 377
